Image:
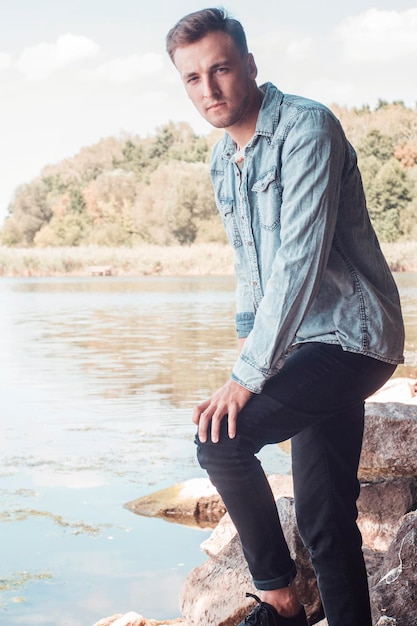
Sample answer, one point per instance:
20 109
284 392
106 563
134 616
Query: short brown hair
197 25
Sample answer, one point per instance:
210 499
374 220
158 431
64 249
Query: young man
318 321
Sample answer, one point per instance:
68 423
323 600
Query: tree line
128 190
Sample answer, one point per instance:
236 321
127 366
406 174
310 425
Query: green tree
30 210
378 145
388 192
175 203
135 158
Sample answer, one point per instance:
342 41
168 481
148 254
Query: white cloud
282 42
5 60
377 36
38 62
131 68
300 49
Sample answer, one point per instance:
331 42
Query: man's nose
210 87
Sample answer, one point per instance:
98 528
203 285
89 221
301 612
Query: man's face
218 79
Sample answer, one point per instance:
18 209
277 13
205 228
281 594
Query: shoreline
205 259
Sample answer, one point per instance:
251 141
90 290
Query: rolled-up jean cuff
277 583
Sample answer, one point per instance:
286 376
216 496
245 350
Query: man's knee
216 455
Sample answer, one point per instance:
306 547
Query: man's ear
252 69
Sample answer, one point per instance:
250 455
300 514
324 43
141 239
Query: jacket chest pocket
267 195
227 211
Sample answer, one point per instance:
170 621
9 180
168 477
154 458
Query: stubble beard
230 117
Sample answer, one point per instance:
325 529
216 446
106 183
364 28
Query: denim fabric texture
308 263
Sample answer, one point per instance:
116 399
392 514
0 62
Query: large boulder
394 588
381 506
397 390
390 441
214 593
194 502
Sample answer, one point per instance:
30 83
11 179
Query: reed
201 259
144 260
401 255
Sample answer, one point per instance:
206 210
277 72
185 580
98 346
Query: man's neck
243 133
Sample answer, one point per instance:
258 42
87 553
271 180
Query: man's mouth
215 106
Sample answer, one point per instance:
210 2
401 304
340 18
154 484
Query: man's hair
197 25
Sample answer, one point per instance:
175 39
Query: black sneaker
265 614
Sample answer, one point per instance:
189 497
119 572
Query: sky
73 72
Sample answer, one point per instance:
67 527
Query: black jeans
317 400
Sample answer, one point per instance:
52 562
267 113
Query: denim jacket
308 264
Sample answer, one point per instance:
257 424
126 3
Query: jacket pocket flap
265 180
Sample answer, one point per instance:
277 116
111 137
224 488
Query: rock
214 593
386 621
281 485
394 589
194 502
373 560
397 390
390 441
129 619
381 506
133 619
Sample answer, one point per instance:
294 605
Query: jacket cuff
244 323
248 376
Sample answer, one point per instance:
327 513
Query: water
99 377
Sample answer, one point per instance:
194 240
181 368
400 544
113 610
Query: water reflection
131 336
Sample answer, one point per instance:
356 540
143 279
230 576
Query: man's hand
228 400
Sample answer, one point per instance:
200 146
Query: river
99 377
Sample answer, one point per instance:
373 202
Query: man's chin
218 121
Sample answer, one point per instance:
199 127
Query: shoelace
259 615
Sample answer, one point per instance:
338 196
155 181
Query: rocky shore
213 594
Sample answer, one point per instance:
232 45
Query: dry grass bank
198 260
202 259
401 256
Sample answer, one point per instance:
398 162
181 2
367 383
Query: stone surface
390 441
381 506
397 390
394 587
194 502
133 619
214 593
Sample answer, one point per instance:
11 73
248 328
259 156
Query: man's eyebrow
211 68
